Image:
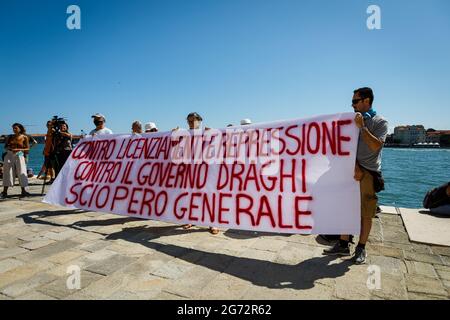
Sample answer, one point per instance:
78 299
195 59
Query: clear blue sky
226 59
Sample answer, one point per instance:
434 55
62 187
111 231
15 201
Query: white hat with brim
150 126
98 115
245 122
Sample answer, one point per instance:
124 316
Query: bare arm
66 134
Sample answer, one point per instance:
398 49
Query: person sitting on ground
136 127
15 146
100 128
194 121
150 127
438 200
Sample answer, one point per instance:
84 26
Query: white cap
98 115
245 122
150 126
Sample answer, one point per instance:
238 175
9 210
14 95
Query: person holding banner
150 127
194 121
373 132
100 128
136 127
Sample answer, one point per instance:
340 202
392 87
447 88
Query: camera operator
62 144
49 163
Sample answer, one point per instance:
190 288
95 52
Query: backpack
436 197
378 181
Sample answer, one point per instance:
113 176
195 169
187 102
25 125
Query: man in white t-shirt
100 128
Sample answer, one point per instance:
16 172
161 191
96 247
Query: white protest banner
293 176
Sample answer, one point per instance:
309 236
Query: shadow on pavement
259 272
38 217
143 234
243 234
434 214
105 222
18 196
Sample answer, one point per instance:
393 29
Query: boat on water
433 145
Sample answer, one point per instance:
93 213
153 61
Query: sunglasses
355 101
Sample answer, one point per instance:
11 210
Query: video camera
57 122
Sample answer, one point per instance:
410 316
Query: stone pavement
125 258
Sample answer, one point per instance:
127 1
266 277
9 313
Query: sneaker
3 195
360 255
337 249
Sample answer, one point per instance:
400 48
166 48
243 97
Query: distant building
440 136
389 139
433 136
409 135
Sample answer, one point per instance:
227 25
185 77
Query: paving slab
59 289
425 285
141 259
110 265
389 210
8 264
23 287
426 228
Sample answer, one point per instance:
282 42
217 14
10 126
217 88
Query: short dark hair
195 115
21 127
365 93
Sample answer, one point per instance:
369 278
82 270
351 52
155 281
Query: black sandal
25 194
